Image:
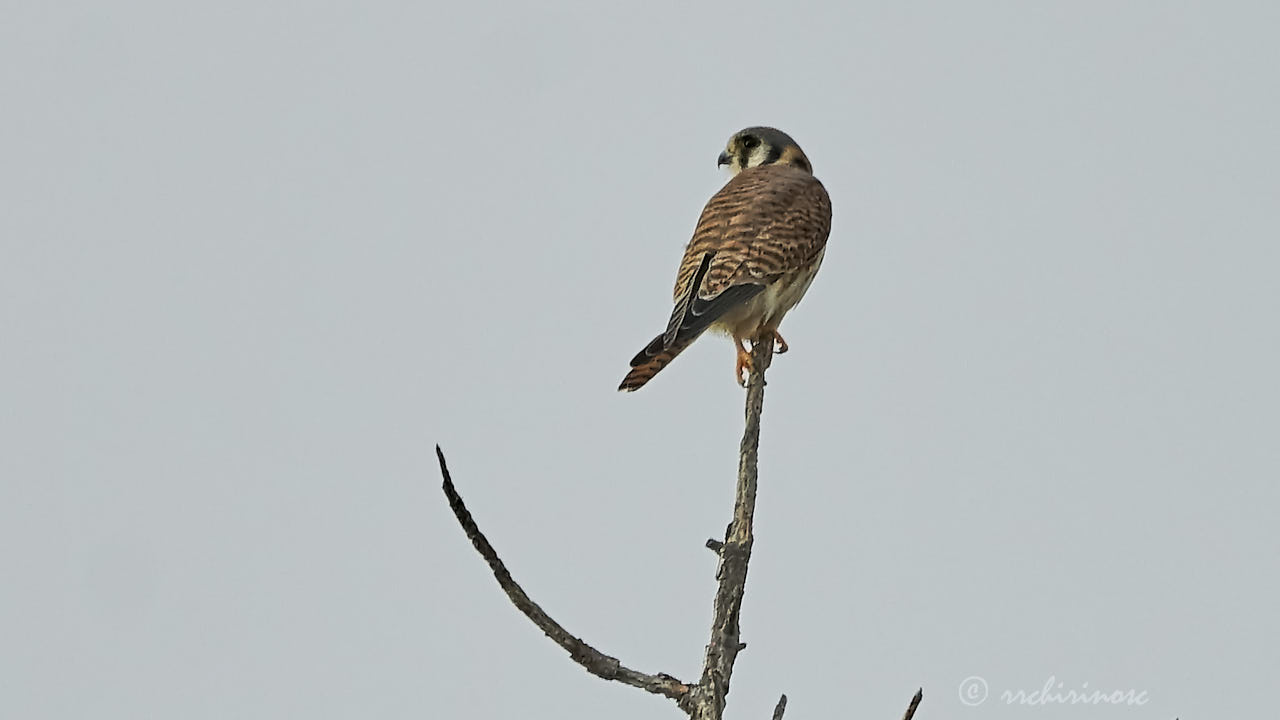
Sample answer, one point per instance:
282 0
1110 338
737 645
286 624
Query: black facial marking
802 164
772 156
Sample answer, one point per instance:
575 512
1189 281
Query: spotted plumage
754 252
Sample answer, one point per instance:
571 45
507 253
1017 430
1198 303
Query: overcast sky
257 259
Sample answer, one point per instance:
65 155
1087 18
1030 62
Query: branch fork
706 699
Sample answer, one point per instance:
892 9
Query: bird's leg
744 362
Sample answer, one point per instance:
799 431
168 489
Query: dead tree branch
595 662
706 700
780 708
915 703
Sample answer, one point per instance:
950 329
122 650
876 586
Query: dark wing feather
693 314
703 312
686 300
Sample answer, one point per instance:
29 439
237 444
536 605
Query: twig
708 698
915 703
781 708
595 662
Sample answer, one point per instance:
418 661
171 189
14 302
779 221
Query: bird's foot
743 365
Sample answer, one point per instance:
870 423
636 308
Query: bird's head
758 146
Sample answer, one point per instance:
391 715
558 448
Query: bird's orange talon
743 365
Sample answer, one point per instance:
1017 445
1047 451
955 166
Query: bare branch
595 662
781 708
708 699
915 703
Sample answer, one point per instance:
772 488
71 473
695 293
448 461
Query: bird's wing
765 222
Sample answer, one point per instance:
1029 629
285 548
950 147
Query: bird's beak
723 159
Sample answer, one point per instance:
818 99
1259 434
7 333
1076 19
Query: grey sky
256 260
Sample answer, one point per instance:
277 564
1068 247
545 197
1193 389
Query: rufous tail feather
649 361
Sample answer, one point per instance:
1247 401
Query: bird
754 252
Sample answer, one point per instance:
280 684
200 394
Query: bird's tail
649 361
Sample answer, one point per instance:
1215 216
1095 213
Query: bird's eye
750 142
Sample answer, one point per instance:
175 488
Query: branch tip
595 662
444 469
780 708
915 703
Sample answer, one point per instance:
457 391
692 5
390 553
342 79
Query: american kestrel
756 248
